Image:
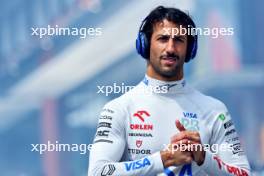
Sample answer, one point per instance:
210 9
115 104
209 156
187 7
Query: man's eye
164 38
178 39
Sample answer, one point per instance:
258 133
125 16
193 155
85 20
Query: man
134 129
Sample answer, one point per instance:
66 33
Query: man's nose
170 46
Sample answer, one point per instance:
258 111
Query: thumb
179 126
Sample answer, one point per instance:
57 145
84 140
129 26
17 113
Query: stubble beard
167 73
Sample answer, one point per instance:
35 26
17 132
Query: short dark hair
171 14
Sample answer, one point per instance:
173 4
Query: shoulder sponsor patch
106 117
108 110
103 140
228 124
231 140
230 132
108 170
102 133
222 117
237 148
104 124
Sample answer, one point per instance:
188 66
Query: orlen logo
137 164
141 115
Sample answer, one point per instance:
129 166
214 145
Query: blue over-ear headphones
142 44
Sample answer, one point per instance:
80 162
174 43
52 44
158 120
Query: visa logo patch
190 115
137 164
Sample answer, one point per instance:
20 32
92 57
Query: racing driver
145 131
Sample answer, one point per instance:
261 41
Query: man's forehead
165 23
165 27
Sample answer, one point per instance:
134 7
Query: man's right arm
109 146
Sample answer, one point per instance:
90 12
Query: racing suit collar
164 86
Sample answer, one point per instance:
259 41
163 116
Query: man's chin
168 73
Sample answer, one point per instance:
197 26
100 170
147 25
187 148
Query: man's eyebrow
163 35
180 37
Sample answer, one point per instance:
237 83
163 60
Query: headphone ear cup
142 45
192 50
138 44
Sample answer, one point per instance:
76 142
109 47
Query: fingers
179 126
189 135
185 134
185 146
177 158
186 158
183 158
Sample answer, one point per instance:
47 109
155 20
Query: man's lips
169 60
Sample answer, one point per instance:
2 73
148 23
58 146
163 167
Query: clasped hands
184 148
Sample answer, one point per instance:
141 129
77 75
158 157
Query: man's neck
152 74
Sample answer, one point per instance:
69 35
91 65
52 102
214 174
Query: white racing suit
134 128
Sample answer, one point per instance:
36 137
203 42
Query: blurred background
49 86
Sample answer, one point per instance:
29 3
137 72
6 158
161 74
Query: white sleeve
109 147
229 161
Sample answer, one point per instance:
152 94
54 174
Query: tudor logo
141 115
138 143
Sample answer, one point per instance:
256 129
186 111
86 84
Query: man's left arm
229 161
